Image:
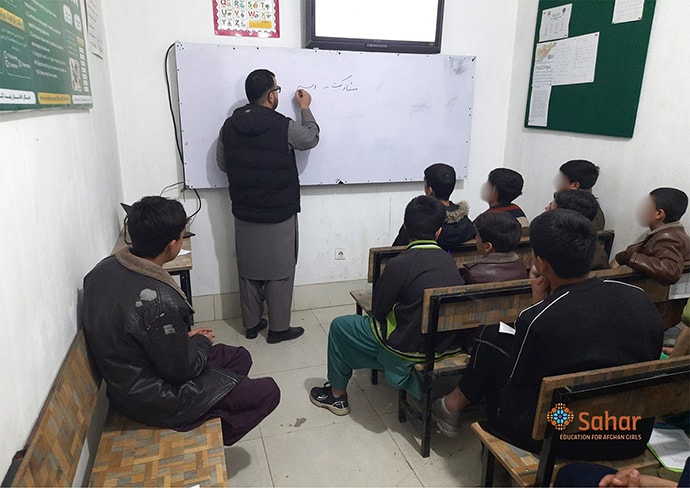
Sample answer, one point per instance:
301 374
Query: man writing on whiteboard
256 148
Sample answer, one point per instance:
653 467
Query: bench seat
522 465
133 454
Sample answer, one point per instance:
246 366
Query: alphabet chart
246 18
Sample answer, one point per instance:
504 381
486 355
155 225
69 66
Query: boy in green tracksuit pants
391 340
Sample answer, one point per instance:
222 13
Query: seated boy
137 326
439 182
580 174
498 236
577 323
666 247
586 204
391 340
502 187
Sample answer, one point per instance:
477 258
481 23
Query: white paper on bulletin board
555 23
566 62
627 11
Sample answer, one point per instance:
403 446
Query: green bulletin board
43 55
607 103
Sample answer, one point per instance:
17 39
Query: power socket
340 254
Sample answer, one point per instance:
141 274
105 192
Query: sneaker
323 397
448 422
286 335
253 332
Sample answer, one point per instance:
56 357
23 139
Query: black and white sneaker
323 397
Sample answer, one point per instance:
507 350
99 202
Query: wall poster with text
246 18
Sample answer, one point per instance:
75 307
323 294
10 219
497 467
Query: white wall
657 155
352 217
61 182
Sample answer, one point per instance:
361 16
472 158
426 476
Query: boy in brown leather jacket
498 236
666 247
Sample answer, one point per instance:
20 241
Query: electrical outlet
340 254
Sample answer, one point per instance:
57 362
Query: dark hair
672 201
583 202
581 171
566 240
258 84
508 184
501 229
441 178
423 217
152 223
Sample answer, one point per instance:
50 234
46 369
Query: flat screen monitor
406 26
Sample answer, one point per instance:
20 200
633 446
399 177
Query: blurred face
563 183
488 192
647 214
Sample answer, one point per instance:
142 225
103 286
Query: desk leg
186 285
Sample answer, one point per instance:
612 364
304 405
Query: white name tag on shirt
504 328
680 289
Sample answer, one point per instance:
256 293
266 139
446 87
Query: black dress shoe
287 335
253 332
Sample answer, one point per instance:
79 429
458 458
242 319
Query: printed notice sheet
627 11
539 106
555 23
566 62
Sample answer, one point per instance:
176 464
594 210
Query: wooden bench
467 253
129 453
650 389
470 306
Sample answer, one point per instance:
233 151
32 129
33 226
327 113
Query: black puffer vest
261 167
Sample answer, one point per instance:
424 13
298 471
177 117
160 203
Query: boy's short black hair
258 83
672 201
581 171
441 178
152 223
566 240
583 202
423 217
501 229
508 184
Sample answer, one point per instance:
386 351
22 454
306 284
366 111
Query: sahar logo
560 416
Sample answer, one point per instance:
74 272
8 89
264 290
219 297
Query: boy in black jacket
391 340
578 323
439 182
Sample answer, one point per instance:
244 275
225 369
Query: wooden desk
180 266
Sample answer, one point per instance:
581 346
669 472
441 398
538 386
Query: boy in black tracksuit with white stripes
577 324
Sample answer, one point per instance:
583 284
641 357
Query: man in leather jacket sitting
137 325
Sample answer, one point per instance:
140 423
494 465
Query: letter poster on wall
246 18
43 55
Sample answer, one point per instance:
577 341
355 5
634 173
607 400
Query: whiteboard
384 117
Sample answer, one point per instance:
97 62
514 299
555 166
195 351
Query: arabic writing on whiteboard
346 84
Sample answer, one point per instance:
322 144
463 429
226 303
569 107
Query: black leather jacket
136 321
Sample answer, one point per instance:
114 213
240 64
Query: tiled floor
301 445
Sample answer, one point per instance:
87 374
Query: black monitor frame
313 41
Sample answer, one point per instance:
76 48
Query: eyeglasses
276 89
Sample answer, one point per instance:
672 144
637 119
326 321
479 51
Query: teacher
256 148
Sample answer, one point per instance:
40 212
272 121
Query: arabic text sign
43 55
